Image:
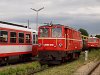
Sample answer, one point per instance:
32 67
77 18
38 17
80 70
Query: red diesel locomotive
58 43
93 42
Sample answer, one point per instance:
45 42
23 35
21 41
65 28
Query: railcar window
33 39
84 37
21 37
27 38
36 39
89 40
94 40
44 32
3 36
12 37
56 32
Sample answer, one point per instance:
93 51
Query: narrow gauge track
33 71
42 67
30 71
18 62
95 70
14 63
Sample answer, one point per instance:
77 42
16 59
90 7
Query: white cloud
74 12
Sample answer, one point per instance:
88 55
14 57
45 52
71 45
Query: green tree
83 32
98 36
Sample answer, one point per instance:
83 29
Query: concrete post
86 55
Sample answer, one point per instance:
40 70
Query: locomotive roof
92 37
16 28
52 25
60 25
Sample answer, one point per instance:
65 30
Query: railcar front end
15 42
93 42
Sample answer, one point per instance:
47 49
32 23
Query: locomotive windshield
44 32
56 32
92 39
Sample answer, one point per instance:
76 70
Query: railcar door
34 44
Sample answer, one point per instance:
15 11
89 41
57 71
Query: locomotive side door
67 36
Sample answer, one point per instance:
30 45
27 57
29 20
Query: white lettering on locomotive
48 44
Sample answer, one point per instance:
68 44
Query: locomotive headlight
39 45
92 45
60 45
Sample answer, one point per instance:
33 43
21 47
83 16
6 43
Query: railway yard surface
92 68
96 71
67 68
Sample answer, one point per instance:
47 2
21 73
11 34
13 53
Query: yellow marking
65 41
84 37
73 39
51 38
61 38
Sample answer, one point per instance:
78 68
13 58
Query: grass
70 67
67 68
21 69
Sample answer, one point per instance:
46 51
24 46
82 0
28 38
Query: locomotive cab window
56 32
27 38
90 40
21 37
44 32
12 37
3 36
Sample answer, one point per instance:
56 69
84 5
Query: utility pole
37 16
28 23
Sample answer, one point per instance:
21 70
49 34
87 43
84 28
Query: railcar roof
16 28
13 24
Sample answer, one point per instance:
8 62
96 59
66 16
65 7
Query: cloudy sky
74 13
